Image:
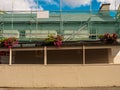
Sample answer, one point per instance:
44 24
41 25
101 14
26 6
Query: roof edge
108 4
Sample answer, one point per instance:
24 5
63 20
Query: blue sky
76 4
55 5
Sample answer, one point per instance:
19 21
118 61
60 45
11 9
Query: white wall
59 75
116 55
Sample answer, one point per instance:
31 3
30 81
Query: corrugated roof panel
55 17
102 18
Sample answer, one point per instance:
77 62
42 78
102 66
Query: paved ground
92 88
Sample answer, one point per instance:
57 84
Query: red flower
57 40
109 37
9 42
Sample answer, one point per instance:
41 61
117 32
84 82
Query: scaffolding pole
12 14
36 16
61 21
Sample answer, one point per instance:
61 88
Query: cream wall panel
59 75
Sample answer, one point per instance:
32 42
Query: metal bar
64 48
45 55
10 56
60 48
36 17
83 54
26 49
89 21
61 20
12 14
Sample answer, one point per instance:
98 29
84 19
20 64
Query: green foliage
108 38
53 38
56 40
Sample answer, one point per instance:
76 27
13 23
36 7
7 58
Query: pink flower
58 43
9 42
57 40
9 47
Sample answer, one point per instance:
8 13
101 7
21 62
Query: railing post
45 55
10 56
83 54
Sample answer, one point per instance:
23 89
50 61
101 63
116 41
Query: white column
45 55
83 54
10 56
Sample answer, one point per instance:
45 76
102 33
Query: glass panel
28 57
96 56
64 57
4 57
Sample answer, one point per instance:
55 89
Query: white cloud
69 3
52 2
75 3
41 8
113 3
6 5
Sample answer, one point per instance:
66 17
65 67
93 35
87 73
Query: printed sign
43 14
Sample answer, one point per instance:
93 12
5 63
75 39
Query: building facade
81 62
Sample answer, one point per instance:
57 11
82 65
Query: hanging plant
55 40
8 42
109 38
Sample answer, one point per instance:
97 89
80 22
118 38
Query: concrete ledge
71 88
59 75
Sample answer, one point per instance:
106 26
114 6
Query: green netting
72 25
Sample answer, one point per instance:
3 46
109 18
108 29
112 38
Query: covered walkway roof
76 17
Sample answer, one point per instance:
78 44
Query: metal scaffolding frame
61 21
